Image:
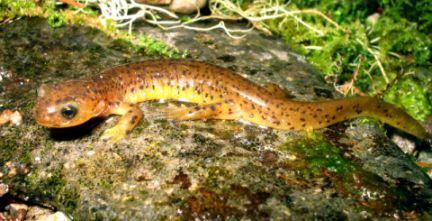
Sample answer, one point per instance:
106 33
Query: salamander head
65 105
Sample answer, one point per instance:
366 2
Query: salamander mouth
54 125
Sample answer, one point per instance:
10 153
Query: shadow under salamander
77 132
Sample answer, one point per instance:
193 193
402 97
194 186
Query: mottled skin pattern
217 92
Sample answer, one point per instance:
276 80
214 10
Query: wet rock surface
186 170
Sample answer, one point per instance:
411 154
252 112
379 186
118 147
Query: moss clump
377 43
53 188
56 20
316 155
10 9
413 95
153 46
13 148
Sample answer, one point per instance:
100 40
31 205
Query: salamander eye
69 111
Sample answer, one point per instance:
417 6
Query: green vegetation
153 46
363 47
11 9
380 45
315 154
56 20
56 17
52 187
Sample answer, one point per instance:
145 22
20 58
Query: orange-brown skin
217 92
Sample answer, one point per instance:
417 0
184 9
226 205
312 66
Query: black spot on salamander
302 119
128 131
339 108
132 89
129 111
327 115
153 87
304 125
303 112
315 116
385 110
212 107
141 87
291 128
277 122
133 120
319 109
206 95
197 108
358 111
211 97
334 117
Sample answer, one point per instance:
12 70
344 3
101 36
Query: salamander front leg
130 116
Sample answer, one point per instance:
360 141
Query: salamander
215 92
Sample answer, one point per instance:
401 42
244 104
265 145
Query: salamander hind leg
219 110
130 117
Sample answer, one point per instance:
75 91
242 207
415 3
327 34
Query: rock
211 170
3 189
14 117
186 6
38 213
58 216
18 211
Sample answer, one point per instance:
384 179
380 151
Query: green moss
56 20
398 40
53 188
152 46
413 95
317 155
10 9
15 149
